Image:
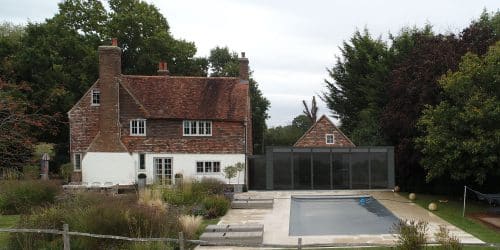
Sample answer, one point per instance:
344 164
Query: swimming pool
338 215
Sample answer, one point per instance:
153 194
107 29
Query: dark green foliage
288 135
461 134
216 206
18 197
98 214
356 91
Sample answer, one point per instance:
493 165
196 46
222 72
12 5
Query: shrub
208 186
66 171
447 241
216 206
98 214
31 172
189 225
410 234
18 197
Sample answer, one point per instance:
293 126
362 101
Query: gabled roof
315 135
214 98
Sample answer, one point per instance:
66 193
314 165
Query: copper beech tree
19 121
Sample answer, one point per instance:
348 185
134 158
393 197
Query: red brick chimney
110 69
162 69
243 67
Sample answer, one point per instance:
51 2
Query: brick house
323 133
127 125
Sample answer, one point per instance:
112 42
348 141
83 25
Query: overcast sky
289 43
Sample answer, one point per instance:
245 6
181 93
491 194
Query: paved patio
276 220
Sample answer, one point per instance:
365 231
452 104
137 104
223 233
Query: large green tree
223 63
356 91
462 134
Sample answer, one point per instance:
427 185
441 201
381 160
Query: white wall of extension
186 164
123 168
117 168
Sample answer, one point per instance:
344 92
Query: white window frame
137 133
204 167
333 139
75 169
197 128
92 97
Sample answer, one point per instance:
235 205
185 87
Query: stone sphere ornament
433 206
397 189
412 196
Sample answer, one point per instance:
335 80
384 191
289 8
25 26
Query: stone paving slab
250 238
235 228
252 204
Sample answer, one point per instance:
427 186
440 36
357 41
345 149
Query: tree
223 63
312 112
17 119
461 134
356 92
288 135
414 84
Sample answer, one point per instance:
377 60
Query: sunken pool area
338 215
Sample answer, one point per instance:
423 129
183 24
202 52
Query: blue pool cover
338 215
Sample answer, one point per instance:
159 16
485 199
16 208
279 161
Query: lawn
451 211
6 221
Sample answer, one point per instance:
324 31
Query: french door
163 171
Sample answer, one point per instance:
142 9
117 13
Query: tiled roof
211 98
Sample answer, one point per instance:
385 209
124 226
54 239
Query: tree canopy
461 134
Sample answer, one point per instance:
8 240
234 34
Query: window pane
359 165
208 167
340 170
216 167
201 129
208 128
302 170
78 161
186 127
282 176
199 167
142 161
321 170
193 128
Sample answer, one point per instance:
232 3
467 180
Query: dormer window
96 97
330 139
138 127
197 128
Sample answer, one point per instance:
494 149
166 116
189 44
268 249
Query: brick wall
315 137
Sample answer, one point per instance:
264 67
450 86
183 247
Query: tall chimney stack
110 61
110 69
243 67
162 69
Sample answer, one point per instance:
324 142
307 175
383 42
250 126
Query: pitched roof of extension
176 97
313 127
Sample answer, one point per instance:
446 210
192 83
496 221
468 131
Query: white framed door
163 170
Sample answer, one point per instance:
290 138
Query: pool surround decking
276 220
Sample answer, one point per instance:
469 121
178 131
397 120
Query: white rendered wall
186 165
118 168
